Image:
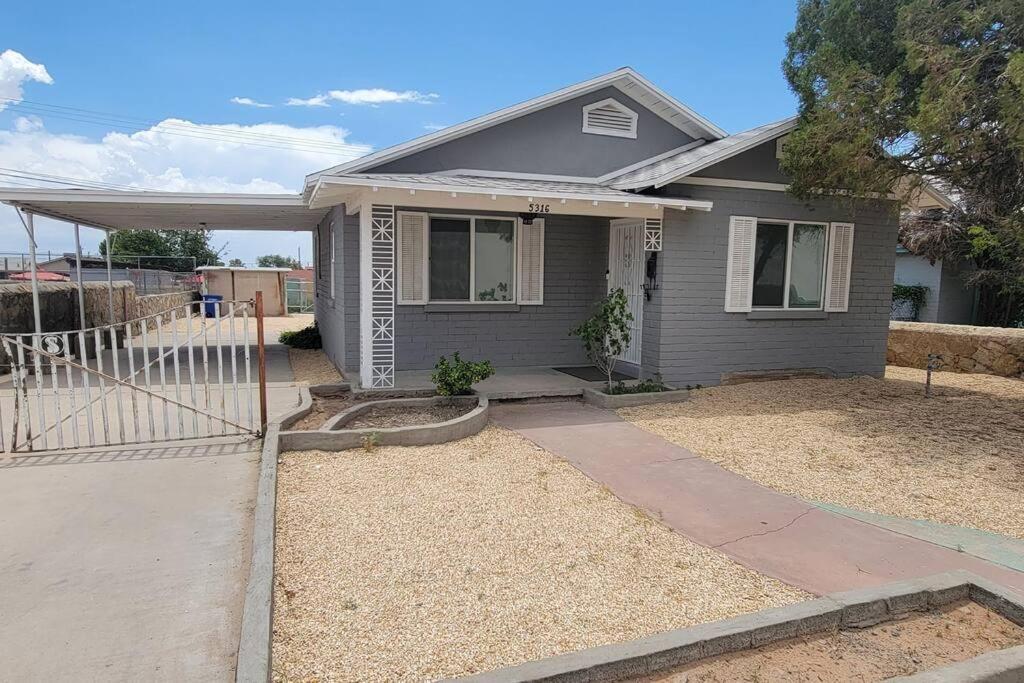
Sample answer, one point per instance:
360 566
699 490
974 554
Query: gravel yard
312 366
876 445
427 562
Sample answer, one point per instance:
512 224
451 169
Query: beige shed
236 284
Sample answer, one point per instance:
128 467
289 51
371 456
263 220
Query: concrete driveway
126 564
129 563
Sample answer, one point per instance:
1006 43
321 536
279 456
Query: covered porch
518 263
510 383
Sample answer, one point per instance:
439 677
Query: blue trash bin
209 303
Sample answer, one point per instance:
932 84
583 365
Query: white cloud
176 155
14 71
316 101
250 102
381 96
364 96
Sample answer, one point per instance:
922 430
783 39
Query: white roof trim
776 131
607 197
122 210
596 180
681 115
13 196
652 160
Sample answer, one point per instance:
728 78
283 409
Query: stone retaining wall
964 348
157 303
58 306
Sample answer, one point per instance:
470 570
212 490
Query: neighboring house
948 299
66 263
497 236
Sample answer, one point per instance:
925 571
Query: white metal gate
626 272
177 374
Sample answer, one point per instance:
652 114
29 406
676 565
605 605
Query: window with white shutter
840 262
739 269
609 117
530 263
412 258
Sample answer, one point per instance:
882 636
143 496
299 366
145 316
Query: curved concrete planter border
613 401
333 437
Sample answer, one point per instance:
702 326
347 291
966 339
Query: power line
149 123
186 129
47 177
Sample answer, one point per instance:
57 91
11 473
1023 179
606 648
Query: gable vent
609 117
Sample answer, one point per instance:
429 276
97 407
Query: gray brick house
496 236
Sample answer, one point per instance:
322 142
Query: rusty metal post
262 359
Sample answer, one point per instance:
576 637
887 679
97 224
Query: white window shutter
411 250
840 261
739 269
530 263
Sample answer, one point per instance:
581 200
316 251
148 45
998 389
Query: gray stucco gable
550 141
758 164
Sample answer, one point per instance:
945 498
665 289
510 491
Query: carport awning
116 210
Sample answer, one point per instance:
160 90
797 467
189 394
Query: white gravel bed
875 445
407 564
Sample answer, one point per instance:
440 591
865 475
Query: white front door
626 266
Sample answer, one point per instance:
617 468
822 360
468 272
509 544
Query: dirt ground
917 643
876 445
312 366
405 564
394 416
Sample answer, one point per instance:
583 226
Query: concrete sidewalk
770 532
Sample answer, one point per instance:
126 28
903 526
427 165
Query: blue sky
433 64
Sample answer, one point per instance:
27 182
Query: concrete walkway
772 533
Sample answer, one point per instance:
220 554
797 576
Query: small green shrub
306 338
605 334
644 386
915 295
457 377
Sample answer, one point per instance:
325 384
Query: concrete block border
857 608
613 401
253 661
333 437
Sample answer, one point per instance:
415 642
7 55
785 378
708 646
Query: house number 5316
540 208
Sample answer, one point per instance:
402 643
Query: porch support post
78 270
29 221
377 296
110 278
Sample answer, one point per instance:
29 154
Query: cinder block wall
697 341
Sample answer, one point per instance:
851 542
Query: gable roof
671 169
625 79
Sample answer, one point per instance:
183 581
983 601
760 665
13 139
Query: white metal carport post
110 279
29 223
78 269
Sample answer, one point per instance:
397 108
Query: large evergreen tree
892 90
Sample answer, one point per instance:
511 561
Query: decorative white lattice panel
652 234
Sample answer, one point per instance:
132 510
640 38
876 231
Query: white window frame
631 133
789 263
472 301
